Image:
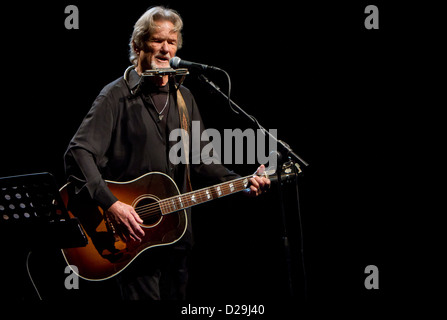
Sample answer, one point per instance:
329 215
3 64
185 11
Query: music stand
33 214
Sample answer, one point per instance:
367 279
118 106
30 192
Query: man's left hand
258 185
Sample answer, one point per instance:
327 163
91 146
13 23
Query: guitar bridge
109 225
111 228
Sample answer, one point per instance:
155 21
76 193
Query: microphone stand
285 148
284 154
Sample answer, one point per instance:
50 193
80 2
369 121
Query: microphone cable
29 275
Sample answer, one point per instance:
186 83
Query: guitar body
158 202
106 254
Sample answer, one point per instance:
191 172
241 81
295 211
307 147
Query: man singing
125 135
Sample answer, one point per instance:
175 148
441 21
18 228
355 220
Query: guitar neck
194 198
220 190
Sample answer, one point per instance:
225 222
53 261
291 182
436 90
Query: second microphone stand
284 154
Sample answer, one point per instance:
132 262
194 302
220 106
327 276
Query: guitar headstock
288 172
267 172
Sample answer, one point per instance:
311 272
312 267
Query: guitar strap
184 123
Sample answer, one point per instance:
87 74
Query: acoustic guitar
157 200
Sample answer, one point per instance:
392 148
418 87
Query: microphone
176 63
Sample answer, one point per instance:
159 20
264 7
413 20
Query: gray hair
146 25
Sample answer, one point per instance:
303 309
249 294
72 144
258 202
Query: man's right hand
126 221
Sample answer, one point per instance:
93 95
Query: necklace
160 115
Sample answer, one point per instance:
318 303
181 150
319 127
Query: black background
348 100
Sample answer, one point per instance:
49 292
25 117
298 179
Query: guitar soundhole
148 210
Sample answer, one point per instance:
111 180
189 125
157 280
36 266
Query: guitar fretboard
193 198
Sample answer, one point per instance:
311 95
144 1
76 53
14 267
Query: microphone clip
165 72
160 72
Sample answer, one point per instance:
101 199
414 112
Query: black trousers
159 273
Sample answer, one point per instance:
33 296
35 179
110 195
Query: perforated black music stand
32 214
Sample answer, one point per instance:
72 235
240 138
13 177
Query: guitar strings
201 194
156 208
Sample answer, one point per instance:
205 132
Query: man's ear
135 48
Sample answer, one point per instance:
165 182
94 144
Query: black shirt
122 138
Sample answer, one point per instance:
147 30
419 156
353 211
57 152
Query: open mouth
162 59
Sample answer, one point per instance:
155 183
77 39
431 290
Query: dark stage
345 98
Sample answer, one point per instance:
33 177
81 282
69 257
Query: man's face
160 47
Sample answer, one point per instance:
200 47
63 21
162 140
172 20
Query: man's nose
164 47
